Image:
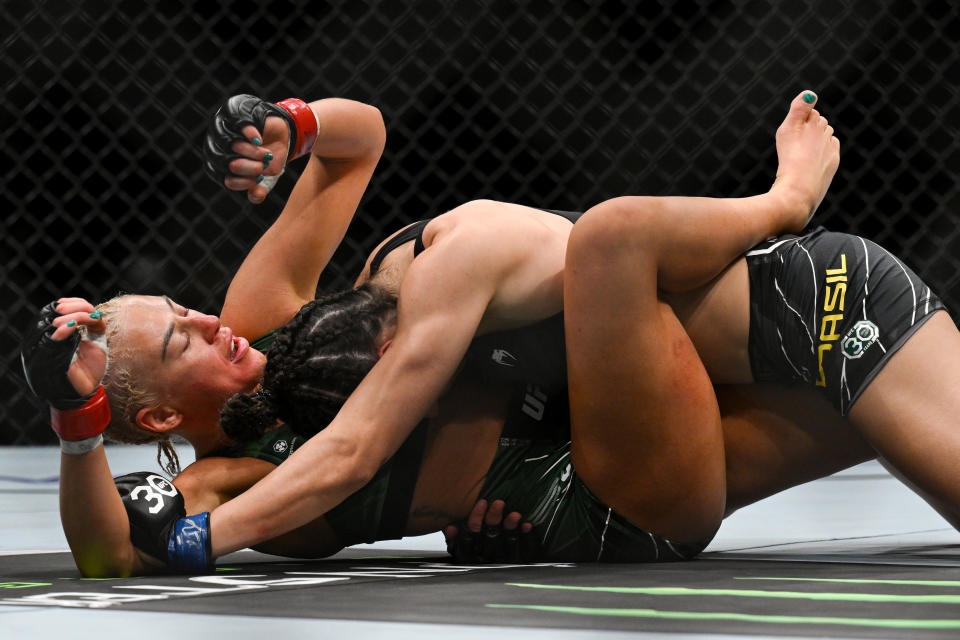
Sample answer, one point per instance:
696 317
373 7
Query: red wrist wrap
87 421
306 123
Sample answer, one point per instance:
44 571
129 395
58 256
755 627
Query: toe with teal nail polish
809 98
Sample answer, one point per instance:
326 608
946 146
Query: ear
383 348
159 419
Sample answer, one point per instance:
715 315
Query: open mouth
238 348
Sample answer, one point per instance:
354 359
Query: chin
253 374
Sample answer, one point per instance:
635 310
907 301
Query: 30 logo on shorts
860 337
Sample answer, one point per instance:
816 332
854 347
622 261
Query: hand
233 156
159 525
61 368
488 536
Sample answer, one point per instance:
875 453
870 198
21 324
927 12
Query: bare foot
809 155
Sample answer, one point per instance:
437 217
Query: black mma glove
159 526
78 419
46 361
227 125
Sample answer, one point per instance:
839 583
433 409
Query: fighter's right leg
640 398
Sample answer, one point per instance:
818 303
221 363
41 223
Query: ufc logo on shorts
153 491
534 402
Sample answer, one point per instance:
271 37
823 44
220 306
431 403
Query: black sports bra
415 232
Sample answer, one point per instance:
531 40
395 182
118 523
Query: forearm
321 474
93 516
65 371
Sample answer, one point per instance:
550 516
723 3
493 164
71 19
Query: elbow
103 573
378 129
373 131
358 465
360 472
102 566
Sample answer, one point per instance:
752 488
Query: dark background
557 105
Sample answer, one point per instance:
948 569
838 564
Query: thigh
910 413
717 319
778 436
644 418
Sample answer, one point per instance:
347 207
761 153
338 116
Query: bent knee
625 225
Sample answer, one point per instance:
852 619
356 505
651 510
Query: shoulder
505 222
485 237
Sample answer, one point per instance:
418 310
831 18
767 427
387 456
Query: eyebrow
168 334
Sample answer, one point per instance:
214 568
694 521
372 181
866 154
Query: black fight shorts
829 309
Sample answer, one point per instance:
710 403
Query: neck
204 435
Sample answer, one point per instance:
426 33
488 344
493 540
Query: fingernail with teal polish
257 141
96 315
259 179
268 156
809 98
71 323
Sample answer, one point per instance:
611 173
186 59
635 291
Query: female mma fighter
639 398
343 141
808 159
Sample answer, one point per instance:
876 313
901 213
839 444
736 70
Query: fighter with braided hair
639 398
644 474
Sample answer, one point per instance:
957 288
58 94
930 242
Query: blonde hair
127 392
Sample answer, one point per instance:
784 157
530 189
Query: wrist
189 549
80 447
85 422
306 127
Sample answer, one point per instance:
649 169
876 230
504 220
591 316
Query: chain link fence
557 105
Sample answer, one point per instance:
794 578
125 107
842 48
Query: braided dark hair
316 361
